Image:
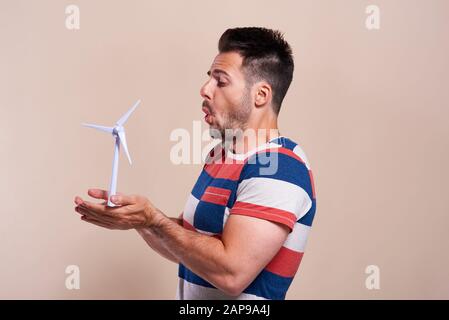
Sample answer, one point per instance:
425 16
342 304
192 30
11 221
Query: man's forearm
204 255
153 241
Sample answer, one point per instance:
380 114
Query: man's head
248 78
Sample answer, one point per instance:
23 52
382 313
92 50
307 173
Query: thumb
123 200
98 194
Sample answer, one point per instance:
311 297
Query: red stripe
188 226
283 151
285 263
267 213
230 168
312 182
230 171
216 195
215 198
217 190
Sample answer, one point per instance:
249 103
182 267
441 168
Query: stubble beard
234 122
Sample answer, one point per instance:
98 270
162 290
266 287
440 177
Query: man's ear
263 94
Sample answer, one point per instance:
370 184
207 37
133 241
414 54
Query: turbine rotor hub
116 130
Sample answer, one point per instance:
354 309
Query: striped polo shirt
273 182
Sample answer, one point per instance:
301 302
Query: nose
206 91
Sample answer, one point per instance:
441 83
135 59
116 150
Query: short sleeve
281 195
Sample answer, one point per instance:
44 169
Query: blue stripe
209 217
189 276
285 142
267 284
289 169
201 184
307 219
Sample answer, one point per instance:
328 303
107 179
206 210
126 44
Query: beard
234 122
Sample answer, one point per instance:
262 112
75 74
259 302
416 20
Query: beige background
370 108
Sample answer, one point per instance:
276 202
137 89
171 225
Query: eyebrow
217 71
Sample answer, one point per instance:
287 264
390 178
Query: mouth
208 116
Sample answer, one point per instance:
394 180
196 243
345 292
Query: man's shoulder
278 156
281 151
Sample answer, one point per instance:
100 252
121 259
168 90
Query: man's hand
132 212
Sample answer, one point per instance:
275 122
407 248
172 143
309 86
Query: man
244 227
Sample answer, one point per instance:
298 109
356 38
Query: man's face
227 100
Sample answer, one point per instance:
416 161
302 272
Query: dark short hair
266 56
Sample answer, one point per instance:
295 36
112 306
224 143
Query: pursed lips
208 115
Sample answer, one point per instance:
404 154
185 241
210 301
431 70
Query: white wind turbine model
118 132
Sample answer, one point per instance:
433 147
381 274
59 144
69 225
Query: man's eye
221 83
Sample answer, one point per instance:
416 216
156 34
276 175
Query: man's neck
252 139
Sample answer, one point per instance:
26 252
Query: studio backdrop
368 104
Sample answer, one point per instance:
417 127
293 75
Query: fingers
91 214
123 200
98 194
78 201
128 207
101 209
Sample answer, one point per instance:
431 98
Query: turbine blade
122 137
125 117
101 128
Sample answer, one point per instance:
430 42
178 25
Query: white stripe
275 194
189 209
300 153
243 156
190 291
207 233
297 239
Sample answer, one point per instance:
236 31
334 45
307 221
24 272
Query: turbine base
111 204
